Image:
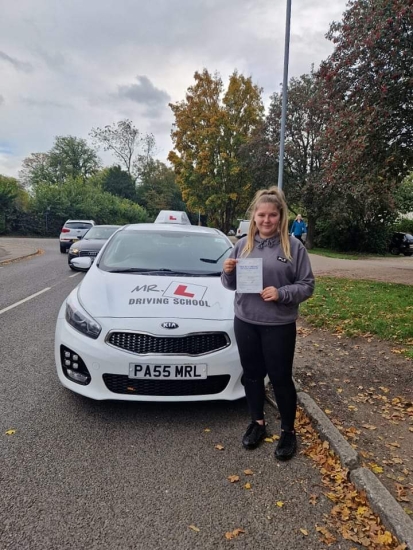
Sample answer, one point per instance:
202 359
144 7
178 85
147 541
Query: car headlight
74 251
77 317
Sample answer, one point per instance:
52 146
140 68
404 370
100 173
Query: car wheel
394 250
408 253
62 249
72 268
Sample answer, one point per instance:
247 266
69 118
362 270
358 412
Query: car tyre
63 249
408 253
394 250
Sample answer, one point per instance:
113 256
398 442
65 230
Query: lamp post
284 96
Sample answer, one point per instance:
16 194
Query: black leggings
263 350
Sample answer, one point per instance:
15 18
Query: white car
151 320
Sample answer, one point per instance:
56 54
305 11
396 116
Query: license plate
171 372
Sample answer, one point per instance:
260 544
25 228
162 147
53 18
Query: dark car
401 243
92 242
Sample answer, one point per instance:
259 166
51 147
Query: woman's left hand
269 294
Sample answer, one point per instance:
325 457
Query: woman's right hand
229 265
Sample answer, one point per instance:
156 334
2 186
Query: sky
69 66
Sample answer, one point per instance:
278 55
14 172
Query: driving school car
151 320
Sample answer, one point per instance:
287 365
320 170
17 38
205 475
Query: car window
409 238
188 252
100 233
78 225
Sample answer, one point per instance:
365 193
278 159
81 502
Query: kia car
72 231
91 242
151 321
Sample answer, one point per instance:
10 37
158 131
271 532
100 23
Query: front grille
120 383
88 253
191 344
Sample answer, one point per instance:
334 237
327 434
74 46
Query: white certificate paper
249 275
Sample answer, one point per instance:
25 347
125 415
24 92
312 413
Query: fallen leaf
10 432
233 534
304 532
313 499
247 486
269 440
207 430
279 503
219 447
327 411
194 528
248 472
369 427
233 479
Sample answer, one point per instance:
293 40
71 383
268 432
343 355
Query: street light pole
284 95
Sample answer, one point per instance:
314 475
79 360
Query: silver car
72 231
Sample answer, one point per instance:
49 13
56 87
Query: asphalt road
78 474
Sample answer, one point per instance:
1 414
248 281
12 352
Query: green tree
158 189
131 149
210 128
118 182
70 157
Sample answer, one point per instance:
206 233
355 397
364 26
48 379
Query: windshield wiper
129 270
209 261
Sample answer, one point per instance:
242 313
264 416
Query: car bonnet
122 295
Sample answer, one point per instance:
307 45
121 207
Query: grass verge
343 255
363 308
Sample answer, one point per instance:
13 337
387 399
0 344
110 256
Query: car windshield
100 233
78 225
186 253
409 238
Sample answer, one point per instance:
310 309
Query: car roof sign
173 216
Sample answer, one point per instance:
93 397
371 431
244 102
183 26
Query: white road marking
25 300
75 275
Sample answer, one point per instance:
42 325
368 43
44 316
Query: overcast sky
71 65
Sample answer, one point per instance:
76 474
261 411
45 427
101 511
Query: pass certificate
249 275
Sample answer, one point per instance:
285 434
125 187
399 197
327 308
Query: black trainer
254 435
287 446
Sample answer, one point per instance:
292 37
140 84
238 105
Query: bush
404 225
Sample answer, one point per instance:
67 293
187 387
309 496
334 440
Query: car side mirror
82 264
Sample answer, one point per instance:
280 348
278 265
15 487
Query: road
78 474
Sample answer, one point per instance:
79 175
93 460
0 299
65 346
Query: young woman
265 323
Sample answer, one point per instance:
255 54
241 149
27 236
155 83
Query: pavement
381 501
12 249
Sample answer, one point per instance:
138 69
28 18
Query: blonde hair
274 196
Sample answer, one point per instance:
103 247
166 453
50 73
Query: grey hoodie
293 279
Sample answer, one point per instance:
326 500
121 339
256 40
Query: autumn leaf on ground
233 534
233 479
10 432
219 447
313 499
207 430
248 472
194 528
280 503
376 468
269 440
304 532
326 537
247 486
369 427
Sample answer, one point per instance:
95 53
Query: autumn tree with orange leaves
210 127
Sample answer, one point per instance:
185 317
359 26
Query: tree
118 182
210 128
158 189
303 157
13 199
369 92
70 157
124 140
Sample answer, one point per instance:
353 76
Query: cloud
19 65
45 103
1 99
145 93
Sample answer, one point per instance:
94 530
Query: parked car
243 227
401 243
92 242
72 231
151 321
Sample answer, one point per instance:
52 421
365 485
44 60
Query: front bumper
109 366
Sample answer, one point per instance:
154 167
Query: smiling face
267 219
